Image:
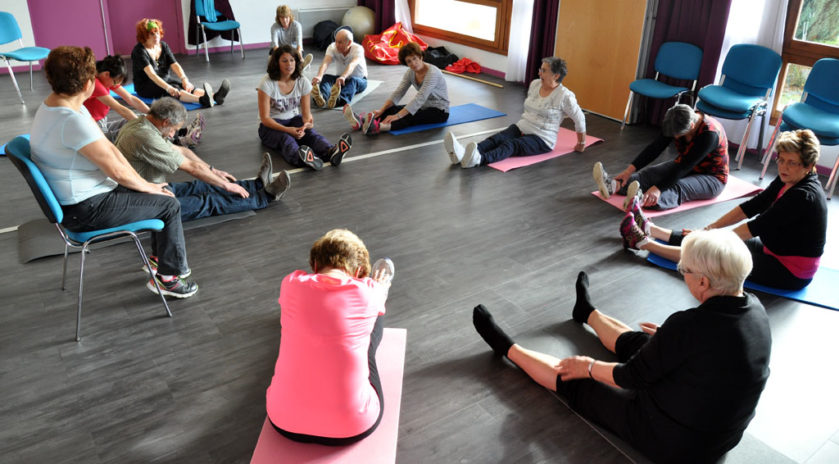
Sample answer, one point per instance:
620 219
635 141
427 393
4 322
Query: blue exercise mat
457 115
3 147
821 291
130 89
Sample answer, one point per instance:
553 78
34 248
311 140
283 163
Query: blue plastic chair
19 152
207 9
9 32
748 77
679 60
818 111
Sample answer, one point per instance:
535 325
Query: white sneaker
307 60
605 184
633 190
471 156
453 148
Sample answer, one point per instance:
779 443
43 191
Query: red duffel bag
384 48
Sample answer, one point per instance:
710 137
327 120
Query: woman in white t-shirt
548 102
286 123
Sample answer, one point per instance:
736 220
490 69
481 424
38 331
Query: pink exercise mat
565 142
735 188
379 447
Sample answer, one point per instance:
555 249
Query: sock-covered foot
484 323
583 306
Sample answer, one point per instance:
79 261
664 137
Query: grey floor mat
39 238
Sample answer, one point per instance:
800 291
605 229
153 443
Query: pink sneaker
633 236
643 221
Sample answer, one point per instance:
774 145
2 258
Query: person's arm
396 95
196 167
793 207
728 219
185 83
572 109
298 35
113 104
275 41
322 69
664 352
584 367
135 102
306 111
109 159
265 116
647 156
160 82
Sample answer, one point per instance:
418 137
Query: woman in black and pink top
699 172
786 234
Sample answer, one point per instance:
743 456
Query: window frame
504 10
798 52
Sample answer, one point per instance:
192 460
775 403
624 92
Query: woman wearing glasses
681 392
786 227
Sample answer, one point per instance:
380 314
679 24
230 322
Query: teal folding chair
9 32
19 153
207 9
679 60
818 110
748 77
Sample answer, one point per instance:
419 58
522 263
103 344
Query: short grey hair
168 109
720 255
558 66
677 120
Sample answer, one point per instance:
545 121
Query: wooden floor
141 387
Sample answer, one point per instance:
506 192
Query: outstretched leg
608 329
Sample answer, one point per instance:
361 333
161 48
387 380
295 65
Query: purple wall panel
123 16
57 23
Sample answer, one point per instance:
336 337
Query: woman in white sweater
548 102
430 104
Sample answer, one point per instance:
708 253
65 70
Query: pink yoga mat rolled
566 140
378 448
735 188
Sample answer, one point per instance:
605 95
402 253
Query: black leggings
422 116
636 419
766 269
375 340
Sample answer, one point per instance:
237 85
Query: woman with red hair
154 63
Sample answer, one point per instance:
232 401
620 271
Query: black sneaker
223 89
176 288
307 156
340 149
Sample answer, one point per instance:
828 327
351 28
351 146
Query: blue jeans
199 199
122 206
689 188
511 142
352 86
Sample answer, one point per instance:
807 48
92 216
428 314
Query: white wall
256 17
20 11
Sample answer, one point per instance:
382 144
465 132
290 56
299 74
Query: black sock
583 306
499 341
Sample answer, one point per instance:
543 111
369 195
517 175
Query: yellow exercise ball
362 21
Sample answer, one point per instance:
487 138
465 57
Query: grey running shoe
632 191
605 184
279 186
176 288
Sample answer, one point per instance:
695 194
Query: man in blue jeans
145 143
330 90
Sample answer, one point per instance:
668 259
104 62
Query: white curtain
403 15
759 22
519 45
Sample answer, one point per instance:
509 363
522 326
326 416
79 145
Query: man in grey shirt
144 143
